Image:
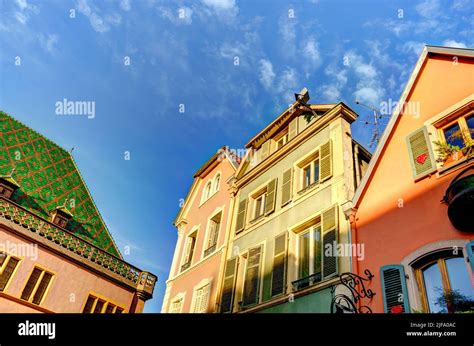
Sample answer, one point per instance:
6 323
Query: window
36 286
213 234
282 141
207 191
309 256
201 299
459 132
251 287
444 283
176 306
8 264
259 206
98 305
310 174
189 251
217 182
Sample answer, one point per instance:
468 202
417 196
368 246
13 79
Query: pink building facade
195 276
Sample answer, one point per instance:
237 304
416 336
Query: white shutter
201 300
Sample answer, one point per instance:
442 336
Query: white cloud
48 42
125 5
182 15
413 47
223 9
331 93
454 44
266 74
428 8
24 11
311 52
98 23
287 84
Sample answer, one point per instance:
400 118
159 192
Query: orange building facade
412 215
193 285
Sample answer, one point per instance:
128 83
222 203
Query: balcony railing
209 250
306 281
55 234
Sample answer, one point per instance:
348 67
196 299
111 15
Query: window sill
444 170
308 188
258 218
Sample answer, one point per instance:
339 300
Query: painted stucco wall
317 302
70 286
197 217
336 190
389 232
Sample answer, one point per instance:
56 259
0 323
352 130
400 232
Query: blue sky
233 65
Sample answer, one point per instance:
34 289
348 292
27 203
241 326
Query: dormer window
61 215
8 185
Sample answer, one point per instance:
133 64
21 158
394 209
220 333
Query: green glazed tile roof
47 176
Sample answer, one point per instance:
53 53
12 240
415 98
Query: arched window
207 191
217 182
444 282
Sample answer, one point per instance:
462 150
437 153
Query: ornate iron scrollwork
355 284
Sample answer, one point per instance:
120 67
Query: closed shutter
252 277
421 155
89 304
188 250
293 129
470 253
265 150
270 197
202 299
394 289
240 224
227 298
329 230
286 187
279 265
30 285
325 153
8 272
41 290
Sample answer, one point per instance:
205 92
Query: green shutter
240 223
286 187
325 168
230 275
329 234
252 277
394 288
293 129
420 153
279 265
470 253
270 197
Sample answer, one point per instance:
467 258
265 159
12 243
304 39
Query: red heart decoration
397 309
421 158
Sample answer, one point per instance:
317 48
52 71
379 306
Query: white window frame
299 167
311 230
216 212
192 234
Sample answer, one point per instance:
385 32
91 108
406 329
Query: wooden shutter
188 249
325 154
329 234
31 283
470 253
7 272
286 187
270 197
421 155
240 224
41 290
89 304
279 265
394 288
252 277
202 299
293 129
230 275
265 150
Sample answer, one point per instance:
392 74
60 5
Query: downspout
356 164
